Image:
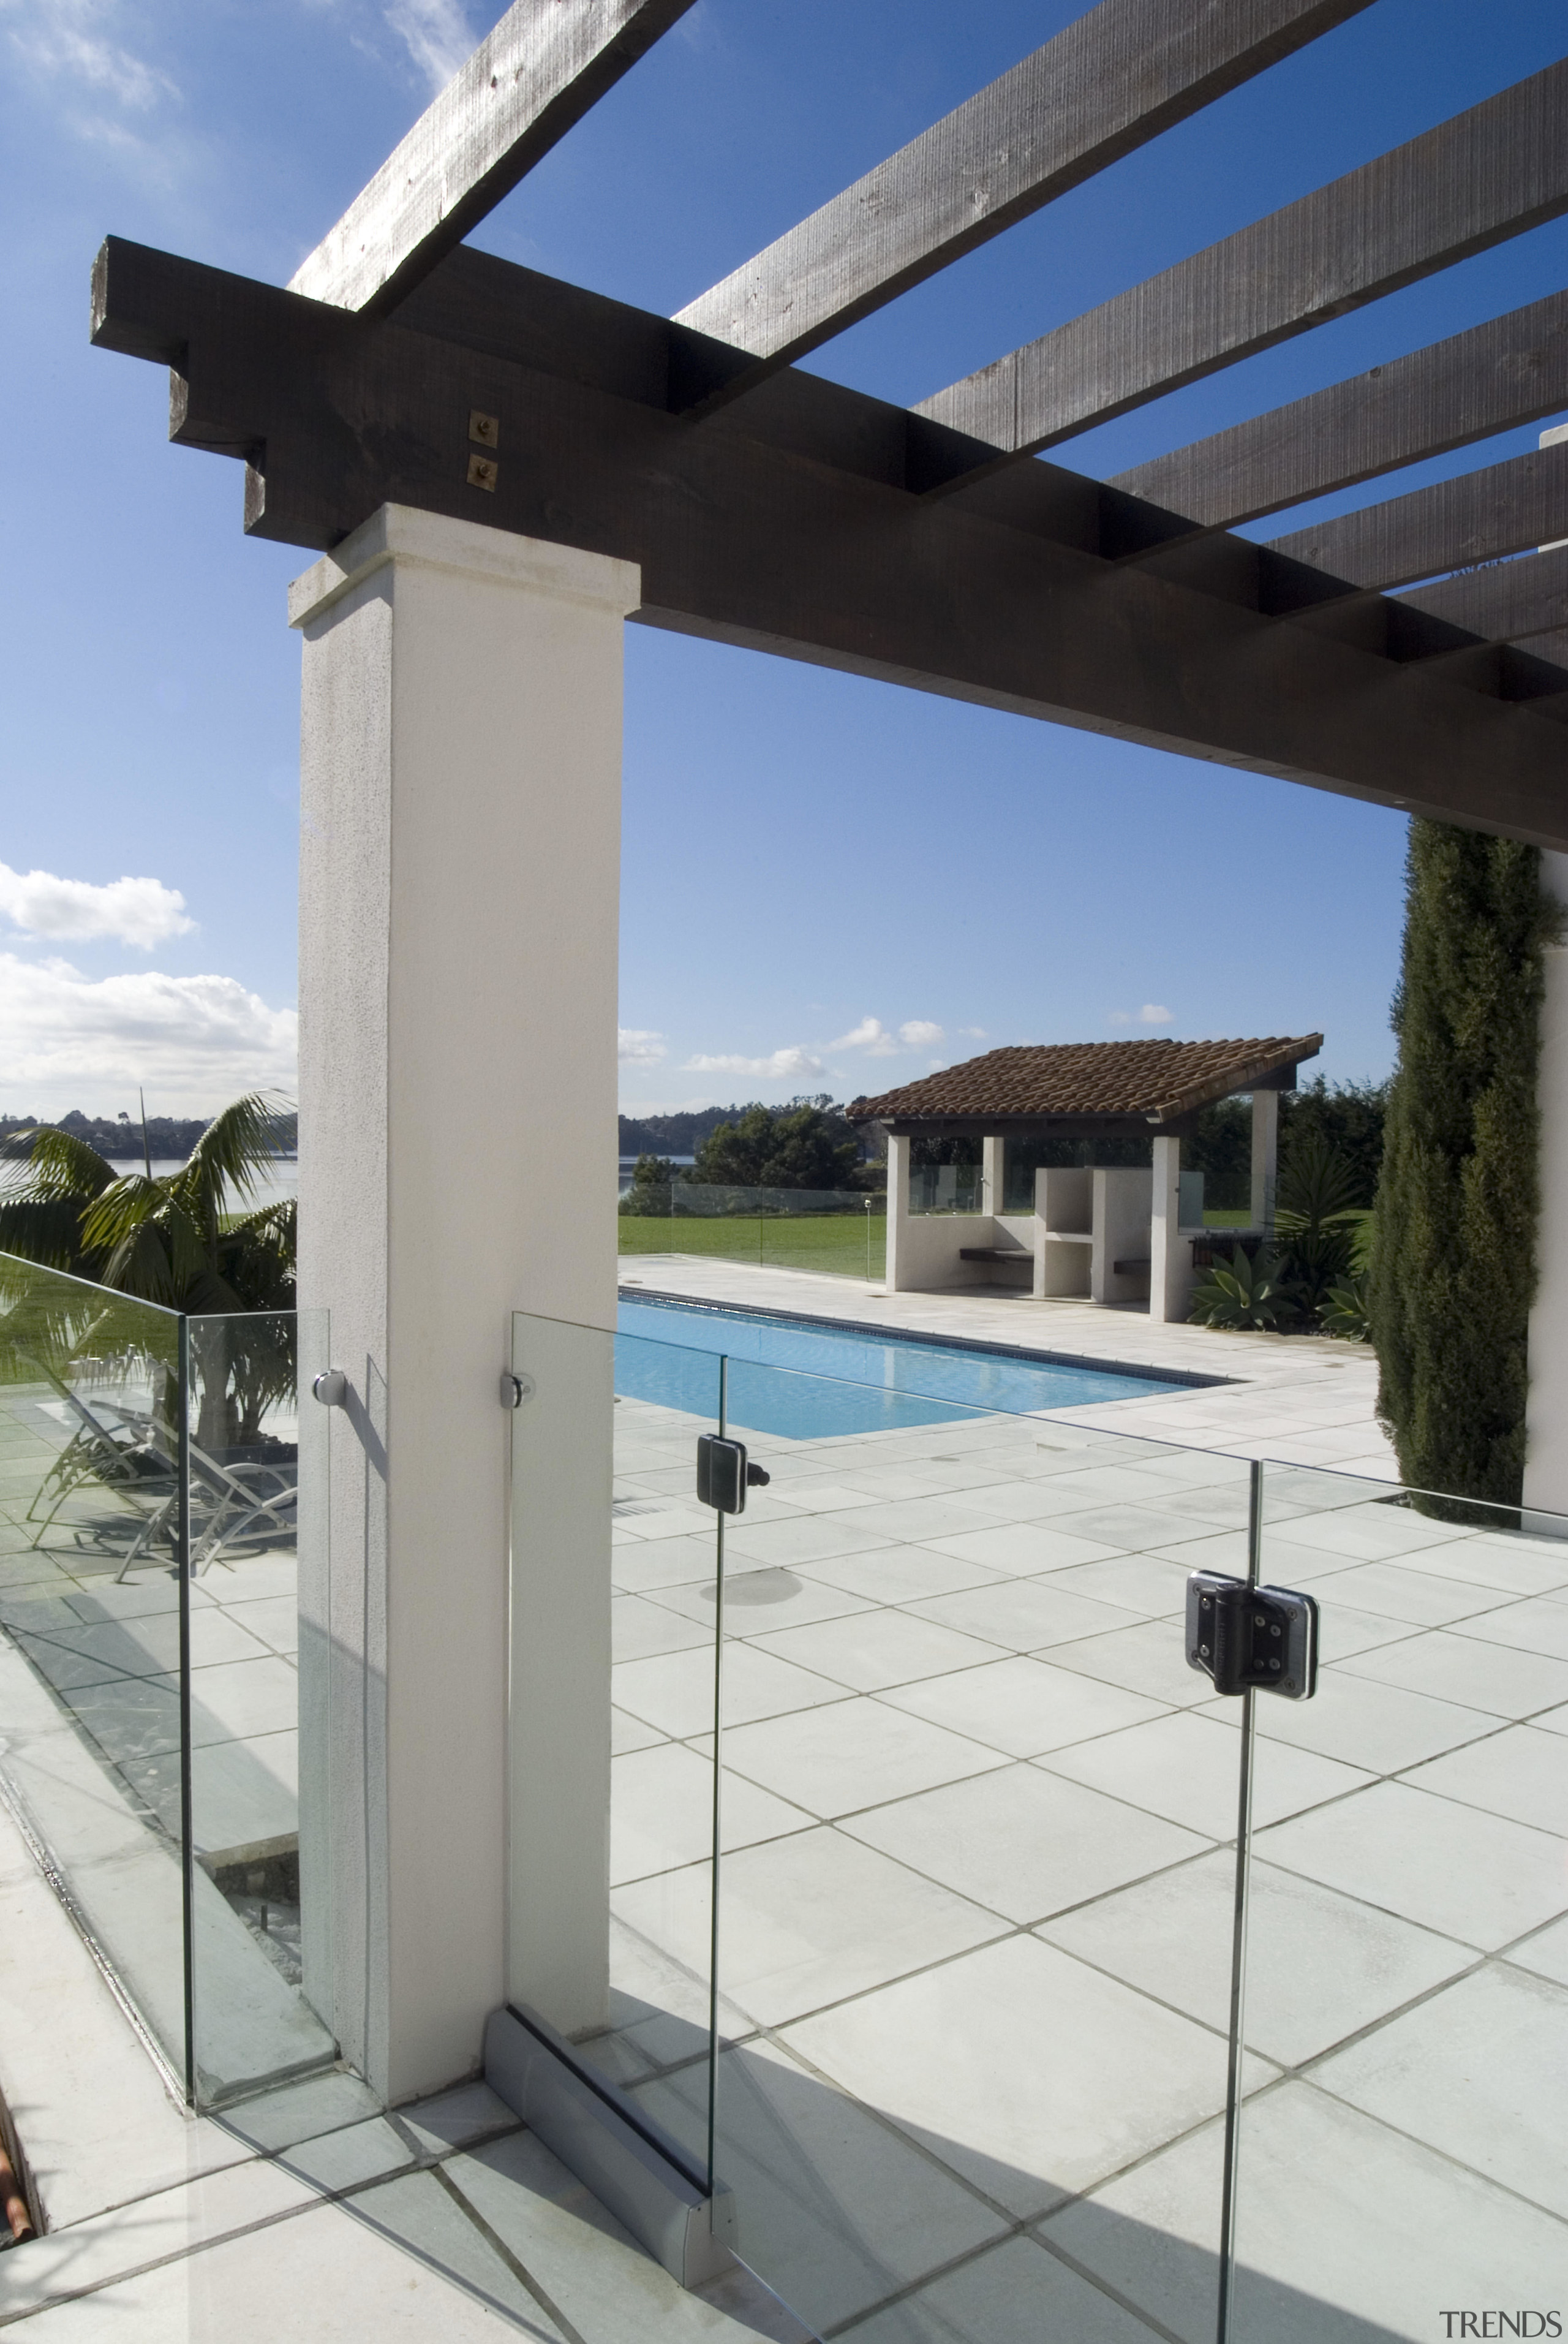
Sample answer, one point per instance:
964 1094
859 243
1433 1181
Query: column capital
403 535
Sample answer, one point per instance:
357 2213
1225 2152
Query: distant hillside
170 1138
672 1135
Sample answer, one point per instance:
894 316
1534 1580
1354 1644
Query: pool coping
1187 1378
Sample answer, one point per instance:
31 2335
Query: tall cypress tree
1454 1267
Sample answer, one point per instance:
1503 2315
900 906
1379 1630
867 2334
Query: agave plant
1344 1309
185 1240
1247 1291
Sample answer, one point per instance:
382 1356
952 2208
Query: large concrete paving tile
1319 1966
1476 2072
1024 2071
1346 2232
1023 1843
803 1921
857 1755
875 1650
1023 1706
1476 1877
1188 1768
661 1811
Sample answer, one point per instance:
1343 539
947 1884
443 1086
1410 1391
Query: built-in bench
997 1253
1131 1268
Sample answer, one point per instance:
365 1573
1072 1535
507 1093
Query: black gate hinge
1251 1639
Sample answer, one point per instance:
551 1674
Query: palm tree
185 1240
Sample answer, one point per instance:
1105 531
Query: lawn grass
832 1242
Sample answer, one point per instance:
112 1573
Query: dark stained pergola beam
526 85
1479 517
1485 174
1493 378
1506 603
1108 84
764 543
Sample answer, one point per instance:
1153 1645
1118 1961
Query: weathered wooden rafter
1477 517
808 519
545 64
1506 602
1108 84
787 523
1485 174
1493 378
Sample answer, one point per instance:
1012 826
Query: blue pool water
804 1382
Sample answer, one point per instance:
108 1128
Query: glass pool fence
1016 1979
162 1586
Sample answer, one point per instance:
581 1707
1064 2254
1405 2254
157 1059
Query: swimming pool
803 1381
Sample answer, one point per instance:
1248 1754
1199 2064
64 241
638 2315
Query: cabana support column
1265 1157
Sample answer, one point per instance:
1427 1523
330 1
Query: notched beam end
133 311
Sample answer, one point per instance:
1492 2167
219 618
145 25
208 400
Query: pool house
1112 1233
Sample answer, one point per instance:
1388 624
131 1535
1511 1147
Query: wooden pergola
496 469
934 546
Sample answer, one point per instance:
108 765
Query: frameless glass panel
250 1442
1403 2164
947 1188
841 1232
90 1626
974 1912
636 1566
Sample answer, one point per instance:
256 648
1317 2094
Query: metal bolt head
484 428
483 473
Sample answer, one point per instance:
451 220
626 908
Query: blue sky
828 883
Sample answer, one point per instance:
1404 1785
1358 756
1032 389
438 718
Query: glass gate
1041 1987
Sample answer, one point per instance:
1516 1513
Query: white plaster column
1168 1281
1546 1409
461 740
994 1176
1265 1157
897 1211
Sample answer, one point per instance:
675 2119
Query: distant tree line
805 1144
1348 1115
118 1138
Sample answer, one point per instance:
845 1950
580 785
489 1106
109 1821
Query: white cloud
436 36
870 1034
976 1033
72 39
194 1042
636 1046
134 911
1153 1013
794 1060
879 1041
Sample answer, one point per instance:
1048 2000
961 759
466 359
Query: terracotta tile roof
1156 1079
